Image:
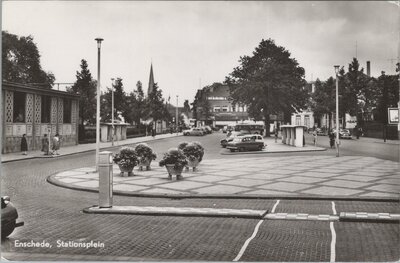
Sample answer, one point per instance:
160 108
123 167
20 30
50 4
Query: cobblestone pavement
315 176
54 213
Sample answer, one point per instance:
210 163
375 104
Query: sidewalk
80 148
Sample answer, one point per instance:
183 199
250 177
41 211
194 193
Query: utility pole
176 115
112 112
98 104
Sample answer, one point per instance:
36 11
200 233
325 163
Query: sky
192 44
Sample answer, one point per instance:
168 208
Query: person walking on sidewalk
332 139
56 144
276 134
45 145
24 145
315 135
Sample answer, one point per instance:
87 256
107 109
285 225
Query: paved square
221 189
325 190
288 187
208 178
346 184
90 184
183 185
161 191
245 182
71 180
354 177
267 192
128 187
147 181
385 188
317 174
302 179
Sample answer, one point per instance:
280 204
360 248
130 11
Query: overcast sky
193 44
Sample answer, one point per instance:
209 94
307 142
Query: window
19 107
224 108
67 110
46 109
307 121
298 120
217 109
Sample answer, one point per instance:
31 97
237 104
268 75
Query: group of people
55 145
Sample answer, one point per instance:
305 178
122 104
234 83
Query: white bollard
105 179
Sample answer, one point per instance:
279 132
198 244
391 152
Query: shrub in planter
201 148
145 155
174 160
182 145
194 154
126 159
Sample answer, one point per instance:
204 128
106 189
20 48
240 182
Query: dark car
9 217
345 134
232 135
252 142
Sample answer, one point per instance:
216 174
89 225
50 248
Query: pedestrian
56 144
24 145
276 135
153 132
315 135
332 139
45 144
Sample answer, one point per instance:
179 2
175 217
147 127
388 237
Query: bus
250 127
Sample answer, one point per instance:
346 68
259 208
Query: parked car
208 129
345 134
225 129
320 132
246 143
9 217
231 136
194 131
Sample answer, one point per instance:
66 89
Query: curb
263 152
178 211
83 151
55 182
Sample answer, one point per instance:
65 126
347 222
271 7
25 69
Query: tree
323 99
119 102
21 62
136 104
85 86
269 81
155 105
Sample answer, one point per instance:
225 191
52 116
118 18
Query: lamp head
336 69
99 42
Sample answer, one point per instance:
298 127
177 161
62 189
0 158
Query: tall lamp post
112 111
98 104
176 115
337 110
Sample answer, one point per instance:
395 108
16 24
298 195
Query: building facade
36 111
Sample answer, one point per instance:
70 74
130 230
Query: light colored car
345 134
232 135
194 131
246 143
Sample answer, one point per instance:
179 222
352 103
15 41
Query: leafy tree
85 86
201 105
136 105
269 81
323 99
119 102
21 61
156 108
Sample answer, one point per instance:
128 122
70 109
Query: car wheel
260 148
232 150
5 232
241 149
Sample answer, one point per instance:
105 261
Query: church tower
151 81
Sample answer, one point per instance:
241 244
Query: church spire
151 81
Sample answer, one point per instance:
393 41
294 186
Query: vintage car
344 134
246 143
231 135
9 217
194 131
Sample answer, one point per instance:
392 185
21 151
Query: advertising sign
393 116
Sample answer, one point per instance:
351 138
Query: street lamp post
176 115
112 114
337 110
98 104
